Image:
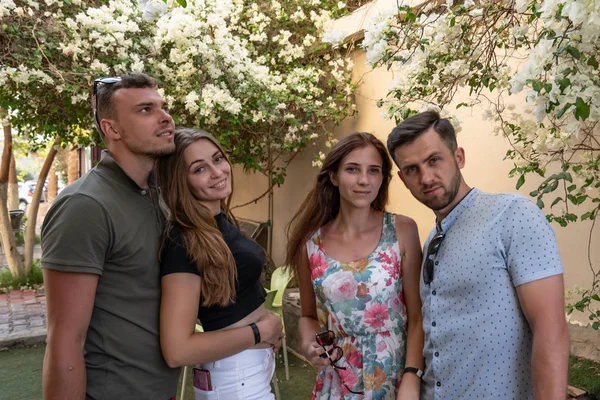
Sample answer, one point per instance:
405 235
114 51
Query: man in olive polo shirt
100 244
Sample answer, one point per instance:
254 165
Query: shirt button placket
433 309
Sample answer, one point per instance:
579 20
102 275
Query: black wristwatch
415 371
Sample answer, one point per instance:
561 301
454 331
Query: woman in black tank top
211 273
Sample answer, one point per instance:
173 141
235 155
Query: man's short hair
411 128
106 91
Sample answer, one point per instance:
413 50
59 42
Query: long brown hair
322 204
203 241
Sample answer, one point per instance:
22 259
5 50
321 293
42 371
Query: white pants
243 376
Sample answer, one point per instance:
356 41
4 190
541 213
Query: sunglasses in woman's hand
327 339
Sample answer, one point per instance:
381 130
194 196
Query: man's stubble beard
449 195
150 150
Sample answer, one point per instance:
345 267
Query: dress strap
312 245
389 222
389 231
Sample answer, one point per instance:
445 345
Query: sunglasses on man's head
109 80
327 338
432 250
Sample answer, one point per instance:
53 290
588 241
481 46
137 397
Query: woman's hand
315 354
410 387
271 329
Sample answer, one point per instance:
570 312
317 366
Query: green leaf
582 109
573 51
182 3
596 325
593 62
572 198
540 203
551 187
556 201
536 85
561 221
563 110
566 176
596 297
452 22
571 217
563 83
534 193
571 188
587 215
520 182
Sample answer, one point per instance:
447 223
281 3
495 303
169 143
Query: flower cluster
258 75
545 51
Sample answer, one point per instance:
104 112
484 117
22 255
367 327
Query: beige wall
485 169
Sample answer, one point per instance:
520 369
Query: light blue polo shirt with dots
477 340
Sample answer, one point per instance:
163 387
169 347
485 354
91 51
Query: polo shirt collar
108 164
457 211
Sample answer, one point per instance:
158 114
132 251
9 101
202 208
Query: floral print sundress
364 300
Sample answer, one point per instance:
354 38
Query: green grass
21 373
584 374
21 376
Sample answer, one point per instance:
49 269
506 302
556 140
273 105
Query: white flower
341 5
477 12
68 50
335 37
152 9
521 5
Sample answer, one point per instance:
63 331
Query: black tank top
249 258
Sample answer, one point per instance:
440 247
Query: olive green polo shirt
105 224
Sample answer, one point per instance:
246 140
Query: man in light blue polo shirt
492 283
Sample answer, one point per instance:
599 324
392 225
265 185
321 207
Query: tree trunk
52 184
32 211
15 262
73 165
13 185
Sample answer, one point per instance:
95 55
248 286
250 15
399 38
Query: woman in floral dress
358 271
